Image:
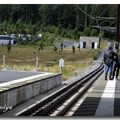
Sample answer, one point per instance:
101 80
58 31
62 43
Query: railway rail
59 103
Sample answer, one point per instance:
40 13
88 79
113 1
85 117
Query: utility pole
118 24
85 16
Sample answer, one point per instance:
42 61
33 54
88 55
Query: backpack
119 59
111 56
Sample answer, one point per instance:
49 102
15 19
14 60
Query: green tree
41 45
61 46
55 49
52 30
63 33
75 32
19 24
9 47
94 33
46 39
34 29
101 34
73 48
69 27
79 47
60 27
87 31
51 40
23 31
68 34
56 33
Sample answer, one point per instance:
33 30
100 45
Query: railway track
59 103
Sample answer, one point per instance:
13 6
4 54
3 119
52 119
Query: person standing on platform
108 60
116 66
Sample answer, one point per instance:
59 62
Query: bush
101 34
95 57
51 40
73 48
55 48
24 43
9 47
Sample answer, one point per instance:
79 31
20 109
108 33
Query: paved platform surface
8 75
103 100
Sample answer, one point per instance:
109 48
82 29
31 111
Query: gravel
85 72
90 69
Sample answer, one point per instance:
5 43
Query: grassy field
48 55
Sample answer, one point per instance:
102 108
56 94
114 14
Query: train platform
26 105
17 86
102 100
7 75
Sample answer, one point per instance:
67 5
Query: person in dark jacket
116 66
108 60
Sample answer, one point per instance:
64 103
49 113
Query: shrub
73 48
55 48
24 43
51 40
95 57
8 47
101 34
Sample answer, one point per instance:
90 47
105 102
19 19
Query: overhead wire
107 19
99 16
104 10
88 15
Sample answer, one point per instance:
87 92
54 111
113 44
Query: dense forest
14 17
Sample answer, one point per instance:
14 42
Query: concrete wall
89 40
18 93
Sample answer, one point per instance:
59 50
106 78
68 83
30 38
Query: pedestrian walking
108 60
116 66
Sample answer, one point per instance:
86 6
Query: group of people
111 60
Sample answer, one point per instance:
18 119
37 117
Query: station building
89 42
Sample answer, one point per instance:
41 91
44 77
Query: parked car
35 40
24 39
20 35
40 35
29 36
13 35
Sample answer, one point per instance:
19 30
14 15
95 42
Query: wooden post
3 61
36 63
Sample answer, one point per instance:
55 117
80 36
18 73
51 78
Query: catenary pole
118 24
